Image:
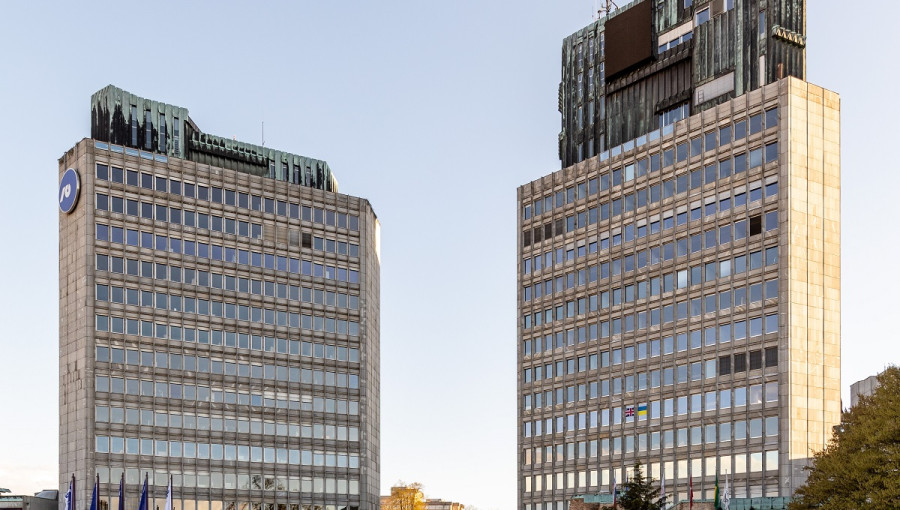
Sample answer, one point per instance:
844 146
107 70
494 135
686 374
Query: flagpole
726 502
716 501
95 494
615 489
121 505
143 503
169 495
68 495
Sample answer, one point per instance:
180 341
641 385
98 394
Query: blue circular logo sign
69 188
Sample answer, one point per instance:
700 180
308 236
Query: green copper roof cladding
650 63
122 118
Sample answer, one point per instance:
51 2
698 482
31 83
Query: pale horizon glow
435 112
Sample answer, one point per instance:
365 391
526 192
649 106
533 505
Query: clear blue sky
435 111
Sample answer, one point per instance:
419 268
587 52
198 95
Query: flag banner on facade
642 411
143 503
169 495
629 411
96 494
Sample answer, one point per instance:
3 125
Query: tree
638 493
860 466
405 497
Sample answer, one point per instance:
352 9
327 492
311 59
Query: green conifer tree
639 493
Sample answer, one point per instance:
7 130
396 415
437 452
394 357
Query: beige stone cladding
811 302
679 303
218 328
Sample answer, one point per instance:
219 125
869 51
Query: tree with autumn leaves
860 467
405 497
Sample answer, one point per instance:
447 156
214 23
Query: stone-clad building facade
217 326
680 305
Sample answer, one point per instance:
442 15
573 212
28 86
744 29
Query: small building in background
411 497
864 388
44 500
439 504
591 502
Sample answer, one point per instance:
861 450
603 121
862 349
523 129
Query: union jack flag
629 411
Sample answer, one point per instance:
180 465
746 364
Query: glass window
740 129
682 151
696 147
710 141
772 113
725 135
756 123
702 16
756 158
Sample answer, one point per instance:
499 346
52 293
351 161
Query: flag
143 504
690 490
96 494
122 492
169 495
726 498
70 495
629 411
717 501
615 489
642 411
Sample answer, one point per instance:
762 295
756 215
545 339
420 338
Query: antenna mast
610 6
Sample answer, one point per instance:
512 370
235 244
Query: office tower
219 320
654 62
863 388
679 299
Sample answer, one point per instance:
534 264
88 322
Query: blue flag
96 494
143 504
70 495
122 492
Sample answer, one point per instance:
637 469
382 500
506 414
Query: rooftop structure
653 62
122 118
